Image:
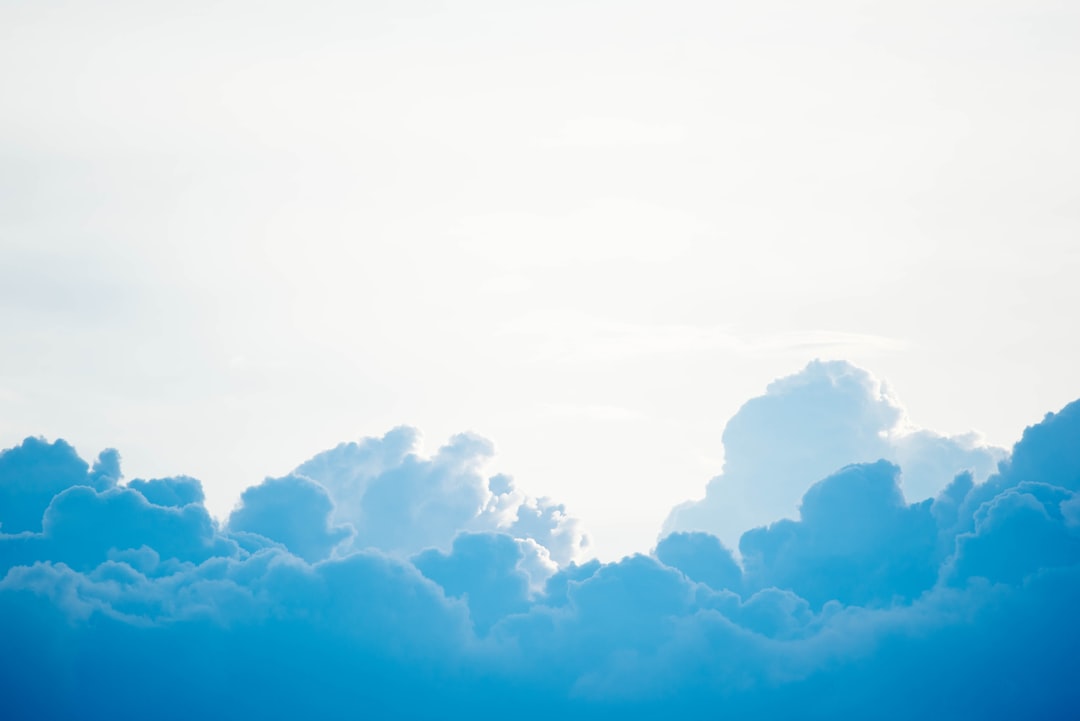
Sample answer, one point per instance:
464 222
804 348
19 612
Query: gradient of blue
130 602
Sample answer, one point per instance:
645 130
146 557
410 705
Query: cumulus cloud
703 558
82 526
35 471
402 503
485 570
856 541
130 602
178 492
808 425
293 511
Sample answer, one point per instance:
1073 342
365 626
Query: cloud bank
373 582
806 426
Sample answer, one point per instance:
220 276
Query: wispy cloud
570 337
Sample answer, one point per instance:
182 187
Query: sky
235 234
478 360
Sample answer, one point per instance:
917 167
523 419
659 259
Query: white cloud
805 427
571 337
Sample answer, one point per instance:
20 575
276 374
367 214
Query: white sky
235 233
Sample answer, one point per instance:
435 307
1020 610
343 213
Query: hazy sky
235 234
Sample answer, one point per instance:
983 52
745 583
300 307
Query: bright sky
234 234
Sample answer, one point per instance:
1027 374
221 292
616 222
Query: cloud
483 569
293 511
703 558
1017 533
574 337
856 541
131 601
805 427
35 471
179 492
402 503
82 527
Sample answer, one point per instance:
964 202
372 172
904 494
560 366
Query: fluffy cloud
703 558
402 503
293 511
808 425
856 541
130 602
81 528
485 570
36 470
178 492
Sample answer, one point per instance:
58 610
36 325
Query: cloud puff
856 541
82 527
177 492
485 570
703 558
35 471
808 425
402 503
130 602
293 511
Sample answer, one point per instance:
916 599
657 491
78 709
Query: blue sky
578 356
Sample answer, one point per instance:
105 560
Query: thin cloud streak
570 337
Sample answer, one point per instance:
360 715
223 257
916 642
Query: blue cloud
808 425
82 527
484 570
374 582
1017 533
703 558
32 473
857 541
177 492
293 511
402 503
